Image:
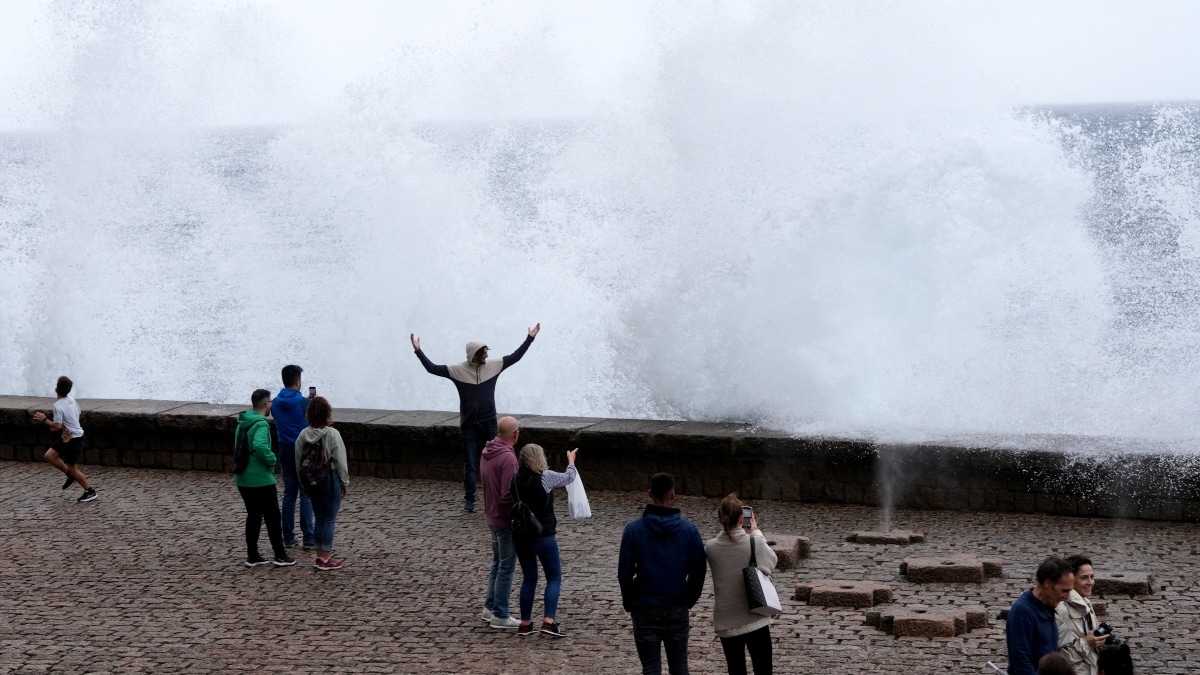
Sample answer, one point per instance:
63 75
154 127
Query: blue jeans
474 437
504 563
656 627
292 489
529 552
326 505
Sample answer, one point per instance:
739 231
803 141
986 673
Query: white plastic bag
577 500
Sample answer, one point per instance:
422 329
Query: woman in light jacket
326 499
1077 620
739 628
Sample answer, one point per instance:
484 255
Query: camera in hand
1105 629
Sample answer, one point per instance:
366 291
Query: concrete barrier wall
707 459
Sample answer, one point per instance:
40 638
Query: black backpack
521 521
314 467
241 449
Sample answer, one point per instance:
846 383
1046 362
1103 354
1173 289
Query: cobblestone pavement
150 578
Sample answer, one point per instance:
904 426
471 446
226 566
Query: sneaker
506 622
87 496
255 560
328 565
284 560
552 628
307 547
525 628
469 507
488 616
69 483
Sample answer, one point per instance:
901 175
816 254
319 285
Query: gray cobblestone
149 578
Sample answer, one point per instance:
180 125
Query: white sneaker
507 622
488 616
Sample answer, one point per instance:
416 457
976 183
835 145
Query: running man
65 451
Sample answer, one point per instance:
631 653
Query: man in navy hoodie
288 410
1031 629
661 571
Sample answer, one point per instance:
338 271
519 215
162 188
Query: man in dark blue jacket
288 409
661 571
475 380
1031 631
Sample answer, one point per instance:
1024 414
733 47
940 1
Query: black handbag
521 520
760 592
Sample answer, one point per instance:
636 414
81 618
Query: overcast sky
279 58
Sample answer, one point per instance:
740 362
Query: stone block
835 593
993 567
900 537
925 621
788 549
1100 607
949 569
1124 583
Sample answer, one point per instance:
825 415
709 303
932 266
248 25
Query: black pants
262 503
759 644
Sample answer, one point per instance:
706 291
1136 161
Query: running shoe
255 560
284 560
526 628
87 496
552 628
69 483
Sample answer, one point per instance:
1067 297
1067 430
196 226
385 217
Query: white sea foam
815 219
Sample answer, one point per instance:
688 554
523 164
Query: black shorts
69 451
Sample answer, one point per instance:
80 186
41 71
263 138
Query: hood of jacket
247 419
497 447
313 435
663 522
474 373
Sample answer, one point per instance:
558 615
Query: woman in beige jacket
739 628
1077 620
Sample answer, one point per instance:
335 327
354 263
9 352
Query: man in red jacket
497 467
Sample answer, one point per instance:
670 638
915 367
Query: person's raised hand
754 522
416 341
571 456
534 331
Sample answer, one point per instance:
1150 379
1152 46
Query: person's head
291 377
508 429
1054 581
533 458
63 386
1085 575
662 489
729 513
1114 660
477 352
1055 663
261 400
319 413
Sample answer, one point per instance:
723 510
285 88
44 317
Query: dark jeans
474 437
262 503
759 644
291 490
657 627
529 552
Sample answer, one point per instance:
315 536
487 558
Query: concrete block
900 537
1124 583
949 569
835 593
788 549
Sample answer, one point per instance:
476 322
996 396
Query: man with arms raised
475 380
1031 628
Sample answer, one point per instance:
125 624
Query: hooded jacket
288 410
497 467
331 442
260 471
1076 618
476 383
661 562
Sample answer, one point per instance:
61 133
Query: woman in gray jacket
326 499
1077 620
739 628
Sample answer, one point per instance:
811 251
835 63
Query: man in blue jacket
661 571
1031 631
288 410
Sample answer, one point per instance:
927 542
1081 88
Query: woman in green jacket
256 482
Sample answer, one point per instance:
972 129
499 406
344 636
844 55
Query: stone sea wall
1060 476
